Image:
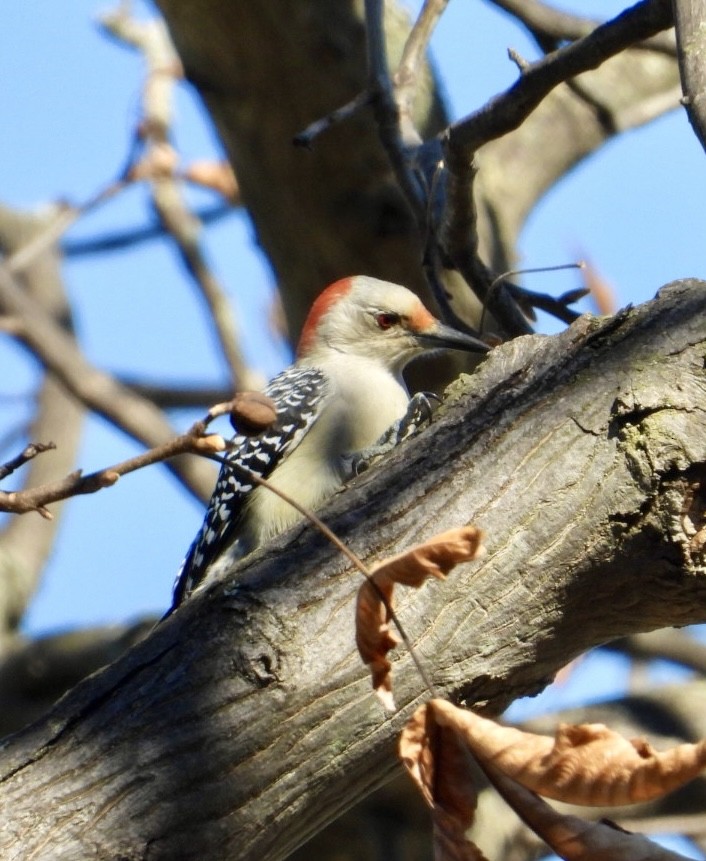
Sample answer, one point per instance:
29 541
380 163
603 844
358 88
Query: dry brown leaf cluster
435 558
584 765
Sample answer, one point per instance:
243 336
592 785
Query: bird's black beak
442 336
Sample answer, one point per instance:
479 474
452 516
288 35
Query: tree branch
244 722
118 240
59 353
507 111
248 411
152 40
548 23
25 548
691 44
673 645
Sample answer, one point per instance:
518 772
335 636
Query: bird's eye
387 320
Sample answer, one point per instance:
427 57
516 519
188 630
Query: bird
342 403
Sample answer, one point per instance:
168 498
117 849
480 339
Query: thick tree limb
35 673
245 722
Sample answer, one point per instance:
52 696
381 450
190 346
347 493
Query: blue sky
71 100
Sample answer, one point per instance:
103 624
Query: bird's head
376 319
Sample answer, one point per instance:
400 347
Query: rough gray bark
245 721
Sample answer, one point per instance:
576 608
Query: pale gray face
389 323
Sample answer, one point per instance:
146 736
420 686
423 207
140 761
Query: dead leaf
602 291
434 747
434 558
439 763
572 838
587 764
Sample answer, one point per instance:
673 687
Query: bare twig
508 110
504 114
75 484
30 451
459 239
120 239
546 22
386 110
151 38
306 137
66 217
392 104
531 300
58 351
406 77
194 441
250 412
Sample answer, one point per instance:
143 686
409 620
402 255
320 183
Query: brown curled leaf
572 838
439 763
602 292
434 558
587 764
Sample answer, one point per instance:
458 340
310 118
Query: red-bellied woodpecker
341 402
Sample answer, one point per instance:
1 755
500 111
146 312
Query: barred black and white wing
297 394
